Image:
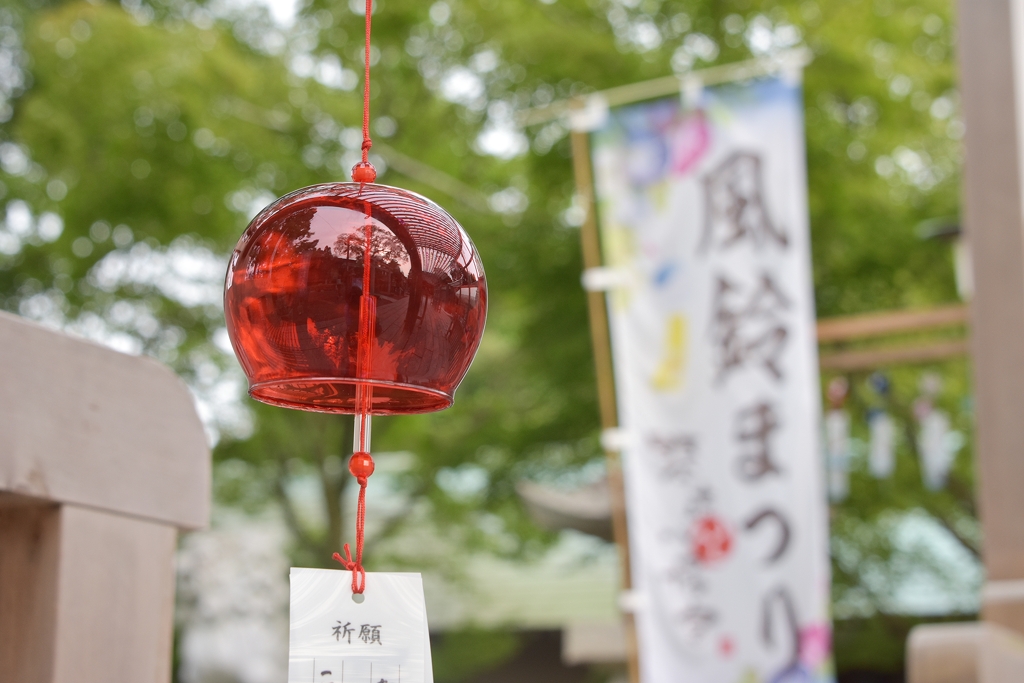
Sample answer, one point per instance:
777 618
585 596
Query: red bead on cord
364 172
361 466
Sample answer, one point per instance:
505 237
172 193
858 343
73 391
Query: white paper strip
334 639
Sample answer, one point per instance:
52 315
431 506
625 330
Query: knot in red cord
354 566
346 561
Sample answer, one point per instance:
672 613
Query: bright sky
282 11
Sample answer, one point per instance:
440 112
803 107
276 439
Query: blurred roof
939 229
576 581
587 509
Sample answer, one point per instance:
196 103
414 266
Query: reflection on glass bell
303 330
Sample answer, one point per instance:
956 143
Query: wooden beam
84 424
890 322
870 359
669 85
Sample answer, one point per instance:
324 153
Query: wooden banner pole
600 338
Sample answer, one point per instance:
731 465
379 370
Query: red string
367 143
363 172
356 566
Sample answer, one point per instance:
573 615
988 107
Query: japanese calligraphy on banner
703 214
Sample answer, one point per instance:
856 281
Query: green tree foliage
139 138
460 654
869 565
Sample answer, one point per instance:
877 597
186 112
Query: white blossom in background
232 609
511 200
12 62
193 276
186 272
501 137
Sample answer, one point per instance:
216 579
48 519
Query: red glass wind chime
355 298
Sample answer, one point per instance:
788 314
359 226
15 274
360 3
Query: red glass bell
355 298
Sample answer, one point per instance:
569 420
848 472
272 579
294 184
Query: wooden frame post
991 51
102 460
992 85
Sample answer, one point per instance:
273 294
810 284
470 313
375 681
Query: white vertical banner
703 215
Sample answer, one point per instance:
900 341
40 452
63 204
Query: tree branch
396 520
290 518
967 543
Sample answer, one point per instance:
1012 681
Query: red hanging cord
364 172
367 143
361 464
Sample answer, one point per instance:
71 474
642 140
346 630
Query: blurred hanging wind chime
937 443
355 298
837 440
881 430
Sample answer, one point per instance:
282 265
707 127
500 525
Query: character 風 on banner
735 207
